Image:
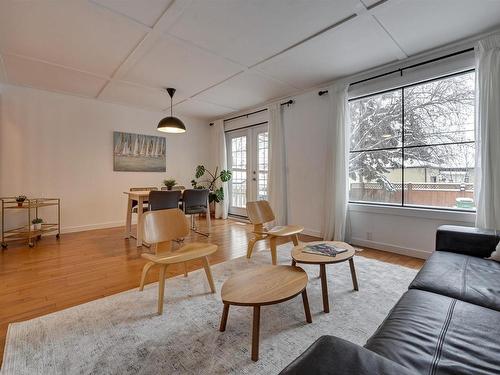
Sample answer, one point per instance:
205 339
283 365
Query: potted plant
212 183
170 183
20 200
37 223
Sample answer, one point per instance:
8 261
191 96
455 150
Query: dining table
141 197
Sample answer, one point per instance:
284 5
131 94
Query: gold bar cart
26 231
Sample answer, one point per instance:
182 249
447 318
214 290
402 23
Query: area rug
122 334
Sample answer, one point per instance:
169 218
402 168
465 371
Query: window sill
424 213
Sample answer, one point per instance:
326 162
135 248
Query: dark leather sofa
448 322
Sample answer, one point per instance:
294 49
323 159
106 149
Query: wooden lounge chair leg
145 271
161 288
251 244
272 241
210 279
295 239
185 269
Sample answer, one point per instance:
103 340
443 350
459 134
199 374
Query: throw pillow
496 254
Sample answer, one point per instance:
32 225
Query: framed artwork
138 153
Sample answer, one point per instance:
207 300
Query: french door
247 152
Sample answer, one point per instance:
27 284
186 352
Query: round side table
261 286
299 256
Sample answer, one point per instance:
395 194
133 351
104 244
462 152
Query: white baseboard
114 224
81 228
416 253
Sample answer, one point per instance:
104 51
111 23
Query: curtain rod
290 102
400 70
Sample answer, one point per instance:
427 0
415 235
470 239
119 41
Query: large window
414 146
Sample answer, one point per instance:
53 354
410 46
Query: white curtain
222 208
337 164
277 165
487 171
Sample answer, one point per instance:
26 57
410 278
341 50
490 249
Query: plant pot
169 187
37 226
19 204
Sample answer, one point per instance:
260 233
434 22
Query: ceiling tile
144 97
200 109
347 49
250 31
246 90
75 33
146 12
49 77
171 63
421 25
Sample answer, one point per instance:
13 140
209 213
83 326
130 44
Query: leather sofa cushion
469 279
467 240
330 355
434 334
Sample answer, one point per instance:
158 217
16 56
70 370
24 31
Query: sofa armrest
467 240
330 355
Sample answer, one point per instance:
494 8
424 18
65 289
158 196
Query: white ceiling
221 55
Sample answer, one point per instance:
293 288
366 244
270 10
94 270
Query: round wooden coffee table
298 256
261 286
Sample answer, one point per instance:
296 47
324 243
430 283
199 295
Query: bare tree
436 114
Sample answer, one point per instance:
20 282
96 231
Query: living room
257 187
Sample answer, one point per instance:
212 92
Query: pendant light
171 124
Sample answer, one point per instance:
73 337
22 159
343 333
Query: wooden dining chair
162 227
260 213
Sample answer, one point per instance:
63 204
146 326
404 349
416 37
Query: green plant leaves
216 196
225 175
169 182
216 193
200 171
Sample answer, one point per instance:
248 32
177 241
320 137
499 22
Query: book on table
327 249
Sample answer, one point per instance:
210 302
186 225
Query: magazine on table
327 249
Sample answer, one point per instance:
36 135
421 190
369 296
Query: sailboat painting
138 153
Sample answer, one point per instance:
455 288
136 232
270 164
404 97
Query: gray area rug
122 334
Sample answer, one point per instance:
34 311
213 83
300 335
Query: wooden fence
419 194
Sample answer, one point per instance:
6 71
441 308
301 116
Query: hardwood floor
85 266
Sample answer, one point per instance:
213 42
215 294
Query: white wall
56 145
401 230
305 124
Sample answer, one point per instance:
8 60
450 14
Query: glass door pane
248 160
262 164
237 153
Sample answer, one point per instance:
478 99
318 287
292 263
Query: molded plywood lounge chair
260 213
162 227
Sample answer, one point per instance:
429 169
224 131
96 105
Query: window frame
402 88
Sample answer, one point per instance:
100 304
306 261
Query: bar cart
27 232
